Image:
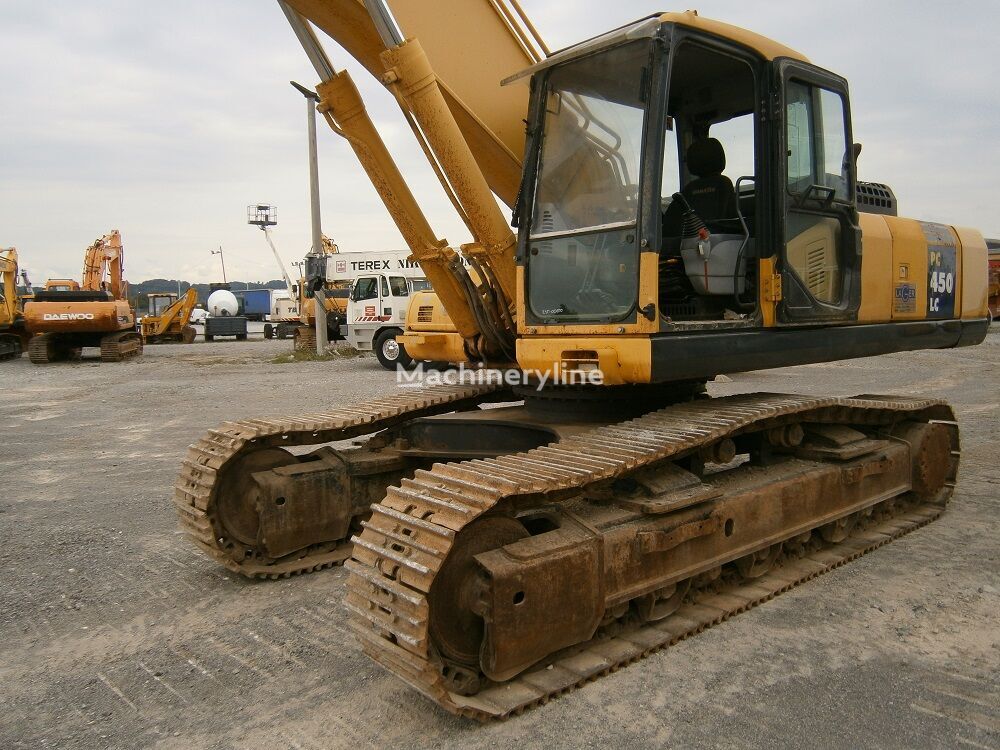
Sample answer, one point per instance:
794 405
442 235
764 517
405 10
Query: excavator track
305 339
47 347
196 492
117 347
10 347
413 531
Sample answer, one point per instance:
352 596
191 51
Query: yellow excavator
169 318
335 302
13 335
686 204
68 316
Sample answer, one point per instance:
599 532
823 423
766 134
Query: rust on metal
214 494
493 585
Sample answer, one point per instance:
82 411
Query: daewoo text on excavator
686 204
67 317
13 335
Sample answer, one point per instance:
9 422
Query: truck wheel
241 337
268 331
209 337
390 352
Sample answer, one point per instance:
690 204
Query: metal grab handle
746 241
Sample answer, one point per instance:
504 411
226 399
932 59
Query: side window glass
798 124
365 288
398 286
671 180
835 163
816 138
736 137
385 286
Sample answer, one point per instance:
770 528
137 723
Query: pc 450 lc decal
940 270
941 282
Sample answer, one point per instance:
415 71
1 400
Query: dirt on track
117 633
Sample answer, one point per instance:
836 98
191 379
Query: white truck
382 285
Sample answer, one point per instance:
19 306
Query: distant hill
137 291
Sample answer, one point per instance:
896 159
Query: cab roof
766 48
648 26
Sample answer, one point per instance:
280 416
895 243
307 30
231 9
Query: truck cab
376 314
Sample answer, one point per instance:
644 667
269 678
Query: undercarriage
62 347
510 556
11 346
184 335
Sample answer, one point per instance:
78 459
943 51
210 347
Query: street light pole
223 261
317 231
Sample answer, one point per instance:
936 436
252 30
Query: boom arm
341 105
472 45
8 284
105 258
471 148
284 273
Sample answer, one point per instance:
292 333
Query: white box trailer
382 286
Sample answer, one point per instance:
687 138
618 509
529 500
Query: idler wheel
456 626
236 503
930 451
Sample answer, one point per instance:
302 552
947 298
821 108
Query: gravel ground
117 633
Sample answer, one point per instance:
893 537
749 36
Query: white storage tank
222 303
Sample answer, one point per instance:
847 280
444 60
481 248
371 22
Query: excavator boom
103 267
471 45
13 337
471 133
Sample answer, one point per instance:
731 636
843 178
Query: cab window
385 286
397 284
816 140
365 288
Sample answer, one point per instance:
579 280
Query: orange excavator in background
169 318
13 336
66 317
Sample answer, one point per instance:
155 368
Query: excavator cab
685 176
159 302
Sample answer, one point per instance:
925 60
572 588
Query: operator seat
711 194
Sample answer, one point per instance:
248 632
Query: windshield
583 255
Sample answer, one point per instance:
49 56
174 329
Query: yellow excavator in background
62 285
67 316
686 204
169 318
13 335
304 334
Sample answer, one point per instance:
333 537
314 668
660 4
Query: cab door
366 300
817 222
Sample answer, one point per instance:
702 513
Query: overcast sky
164 120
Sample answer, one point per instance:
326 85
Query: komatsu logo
68 316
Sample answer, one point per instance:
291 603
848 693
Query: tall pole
222 259
317 231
